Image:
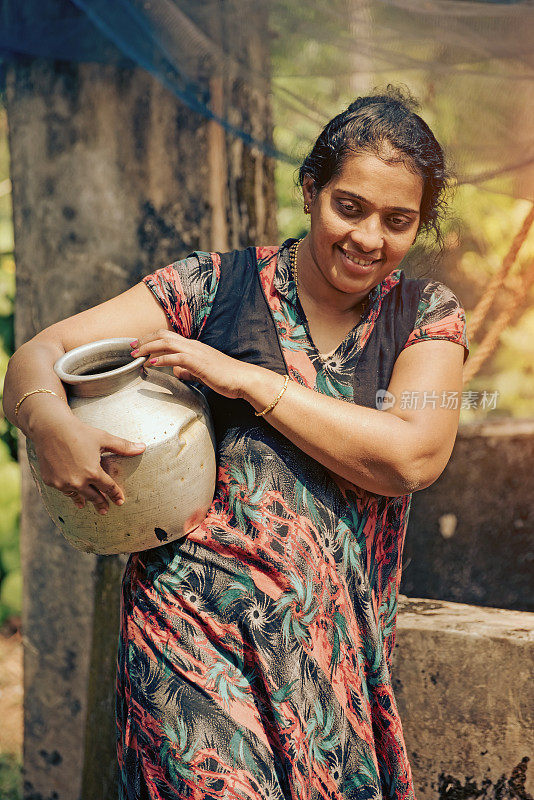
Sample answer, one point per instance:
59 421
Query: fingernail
120 502
133 344
134 352
102 511
153 361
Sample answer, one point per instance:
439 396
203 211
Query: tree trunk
112 178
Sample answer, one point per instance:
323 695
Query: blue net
471 63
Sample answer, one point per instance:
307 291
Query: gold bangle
275 401
33 391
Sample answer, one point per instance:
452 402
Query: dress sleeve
186 291
439 316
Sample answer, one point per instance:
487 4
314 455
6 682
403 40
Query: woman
254 654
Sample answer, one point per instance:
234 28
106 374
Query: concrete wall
463 680
470 535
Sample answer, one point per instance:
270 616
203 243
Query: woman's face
363 222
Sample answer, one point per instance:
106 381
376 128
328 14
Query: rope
491 339
483 305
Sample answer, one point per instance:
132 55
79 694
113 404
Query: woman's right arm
68 450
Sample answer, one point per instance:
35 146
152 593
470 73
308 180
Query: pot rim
100 346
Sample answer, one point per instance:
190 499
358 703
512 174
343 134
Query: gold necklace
293 254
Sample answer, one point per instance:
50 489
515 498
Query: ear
308 189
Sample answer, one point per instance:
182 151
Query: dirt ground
11 692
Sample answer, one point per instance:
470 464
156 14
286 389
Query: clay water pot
169 487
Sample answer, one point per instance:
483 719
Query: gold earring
306 208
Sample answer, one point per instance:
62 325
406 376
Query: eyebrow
389 208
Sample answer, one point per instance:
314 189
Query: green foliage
488 224
10 777
10 577
7 340
479 226
10 595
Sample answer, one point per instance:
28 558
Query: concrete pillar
112 177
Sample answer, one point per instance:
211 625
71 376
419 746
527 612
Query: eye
400 222
348 207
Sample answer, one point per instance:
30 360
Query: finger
107 486
161 339
162 333
123 447
179 360
154 345
76 497
158 350
183 374
88 492
103 481
97 499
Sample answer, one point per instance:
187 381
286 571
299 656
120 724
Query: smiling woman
255 652
358 235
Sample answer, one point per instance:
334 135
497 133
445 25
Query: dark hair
371 123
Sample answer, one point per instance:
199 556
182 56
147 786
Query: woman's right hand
69 454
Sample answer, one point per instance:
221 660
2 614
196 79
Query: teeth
358 260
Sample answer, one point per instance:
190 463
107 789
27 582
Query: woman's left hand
193 360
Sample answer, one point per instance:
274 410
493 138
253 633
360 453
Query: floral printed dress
254 653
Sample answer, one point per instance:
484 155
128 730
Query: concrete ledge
463 679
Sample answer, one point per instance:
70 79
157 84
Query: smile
360 261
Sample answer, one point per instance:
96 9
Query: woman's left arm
392 452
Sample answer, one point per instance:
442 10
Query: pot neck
99 368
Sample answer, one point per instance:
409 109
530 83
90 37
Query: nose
367 233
